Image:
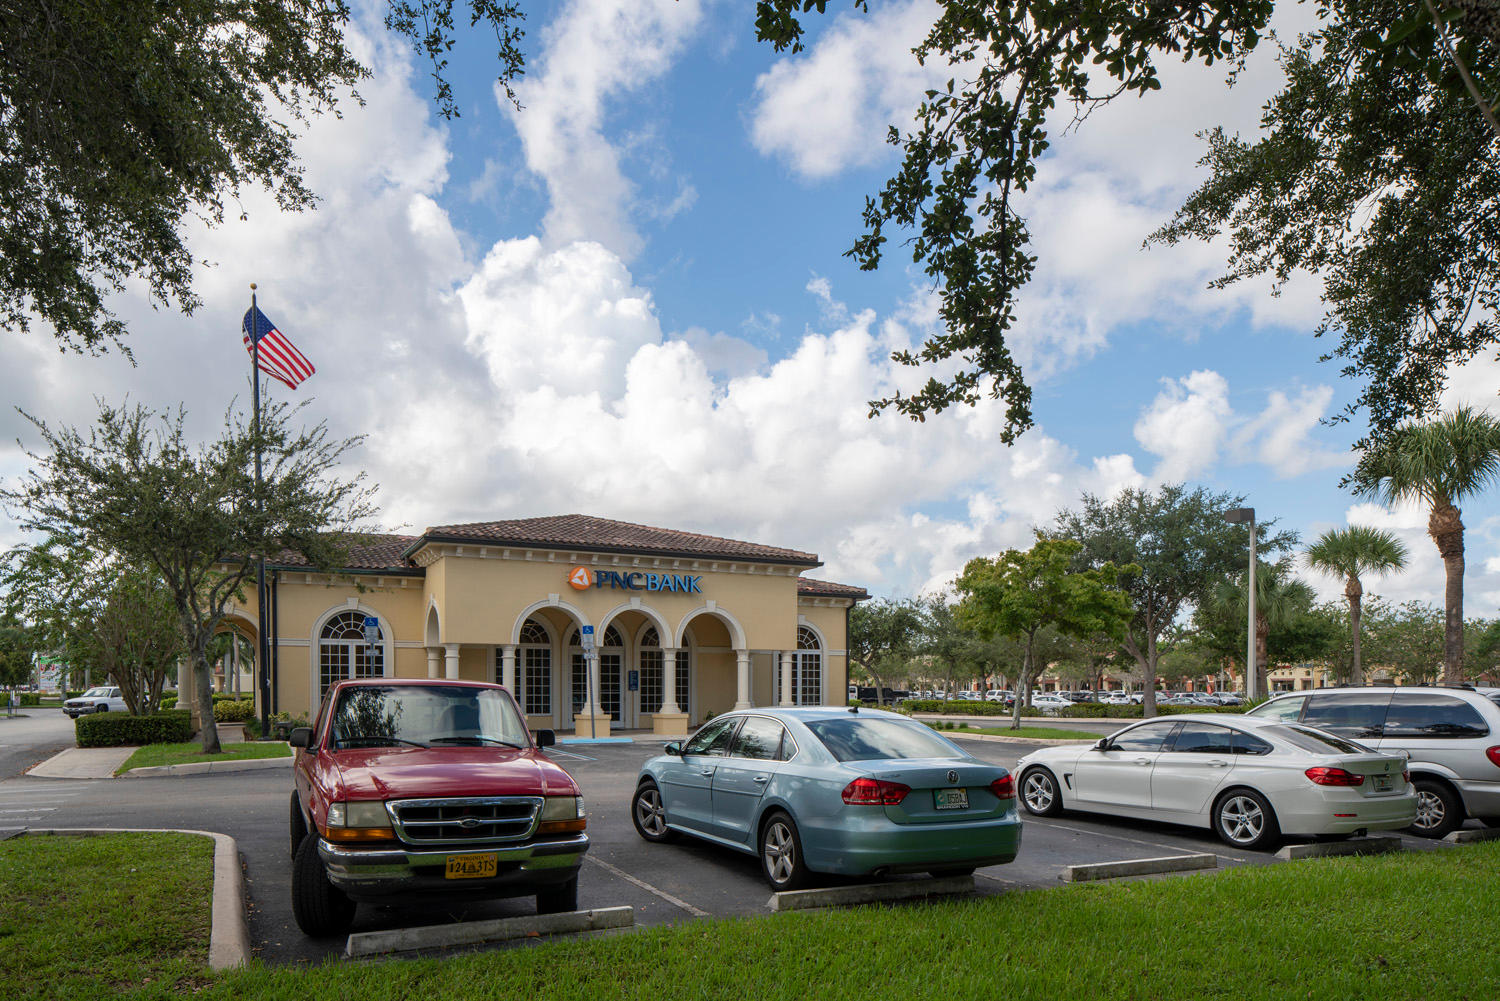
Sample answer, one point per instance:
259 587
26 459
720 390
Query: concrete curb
374 943
229 932
204 767
1379 845
869 893
82 763
960 735
1471 836
1138 867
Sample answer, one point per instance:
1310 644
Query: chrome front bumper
370 874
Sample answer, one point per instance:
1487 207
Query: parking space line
663 894
1135 841
570 754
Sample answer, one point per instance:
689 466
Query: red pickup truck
412 789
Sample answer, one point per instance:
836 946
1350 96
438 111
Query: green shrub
168 702
120 729
957 707
237 711
252 725
30 699
72 693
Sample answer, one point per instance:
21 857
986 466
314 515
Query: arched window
652 671
342 652
611 654
807 673
534 660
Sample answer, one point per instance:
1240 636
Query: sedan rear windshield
425 715
1315 741
856 739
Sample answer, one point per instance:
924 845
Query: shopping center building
684 626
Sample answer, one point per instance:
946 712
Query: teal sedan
831 790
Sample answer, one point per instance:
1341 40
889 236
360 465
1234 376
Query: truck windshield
446 715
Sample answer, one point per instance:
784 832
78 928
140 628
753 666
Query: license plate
471 866
1382 783
950 799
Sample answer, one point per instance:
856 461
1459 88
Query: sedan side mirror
673 748
546 738
301 736
1102 744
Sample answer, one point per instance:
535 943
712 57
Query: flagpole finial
252 286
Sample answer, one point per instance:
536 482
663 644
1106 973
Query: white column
508 667
669 681
450 665
742 658
591 708
786 677
433 653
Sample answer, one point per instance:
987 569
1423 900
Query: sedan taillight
873 792
1493 754
1004 788
1334 777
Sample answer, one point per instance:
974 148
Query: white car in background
1050 703
1250 780
101 699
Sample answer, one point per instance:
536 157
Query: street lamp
1236 516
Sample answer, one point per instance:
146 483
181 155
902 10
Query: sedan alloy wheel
650 815
781 854
1244 820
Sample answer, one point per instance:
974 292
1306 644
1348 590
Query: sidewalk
83 763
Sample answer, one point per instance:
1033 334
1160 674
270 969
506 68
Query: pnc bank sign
582 578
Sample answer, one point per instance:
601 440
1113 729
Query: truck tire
559 899
321 911
297 826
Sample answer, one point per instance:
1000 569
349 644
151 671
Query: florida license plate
471 866
950 799
1382 783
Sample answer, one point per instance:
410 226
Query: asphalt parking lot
663 884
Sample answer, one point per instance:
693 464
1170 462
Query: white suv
1450 735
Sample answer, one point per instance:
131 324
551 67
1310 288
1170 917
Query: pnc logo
580 579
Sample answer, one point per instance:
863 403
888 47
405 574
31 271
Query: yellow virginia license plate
471 866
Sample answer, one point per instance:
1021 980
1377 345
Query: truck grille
465 820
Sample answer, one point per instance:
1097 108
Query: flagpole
261 650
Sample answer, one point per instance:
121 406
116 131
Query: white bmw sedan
1251 780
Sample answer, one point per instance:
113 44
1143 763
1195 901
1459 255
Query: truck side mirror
301 736
546 738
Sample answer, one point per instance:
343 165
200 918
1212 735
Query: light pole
1235 516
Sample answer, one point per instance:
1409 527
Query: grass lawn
1035 732
192 751
95 917
1413 926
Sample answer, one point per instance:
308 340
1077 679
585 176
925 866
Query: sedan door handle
706 771
1217 764
1143 761
762 778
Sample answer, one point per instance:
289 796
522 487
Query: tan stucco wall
480 601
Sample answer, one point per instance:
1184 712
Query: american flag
278 356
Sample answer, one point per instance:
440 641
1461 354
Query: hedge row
1081 710
29 699
121 729
233 711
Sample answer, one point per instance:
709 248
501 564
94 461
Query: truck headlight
562 815
358 821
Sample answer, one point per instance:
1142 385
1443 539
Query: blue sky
629 299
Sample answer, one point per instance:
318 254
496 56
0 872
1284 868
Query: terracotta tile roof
374 552
581 531
828 589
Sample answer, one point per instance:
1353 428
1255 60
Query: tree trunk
1024 689
1354 592
1446 527
203 675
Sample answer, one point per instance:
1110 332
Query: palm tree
1440 463
1349 552
1279 599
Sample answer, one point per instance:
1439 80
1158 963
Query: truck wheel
321 911
102 708
298 826
558 899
